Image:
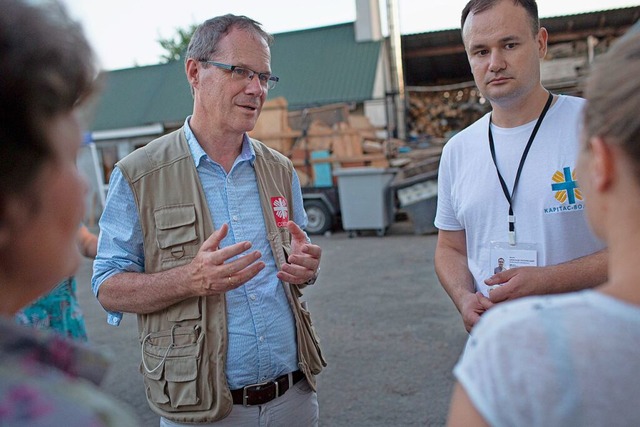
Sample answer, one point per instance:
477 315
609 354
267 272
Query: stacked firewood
442 113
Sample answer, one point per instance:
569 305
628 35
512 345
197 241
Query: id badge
505 256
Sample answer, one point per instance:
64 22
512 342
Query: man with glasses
202 237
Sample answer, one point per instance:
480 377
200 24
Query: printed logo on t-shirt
280 210
567 192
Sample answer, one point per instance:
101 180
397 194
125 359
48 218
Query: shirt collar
198 153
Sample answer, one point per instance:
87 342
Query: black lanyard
505 190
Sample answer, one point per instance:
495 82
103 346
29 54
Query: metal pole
102 187
397 74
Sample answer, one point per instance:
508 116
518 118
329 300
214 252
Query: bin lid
363 171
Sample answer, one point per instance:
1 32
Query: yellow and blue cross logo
566 186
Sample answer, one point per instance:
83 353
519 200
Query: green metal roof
317 66
323 65
143 95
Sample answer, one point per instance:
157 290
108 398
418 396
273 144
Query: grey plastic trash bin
366 203
420 201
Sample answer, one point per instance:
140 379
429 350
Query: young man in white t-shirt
573 359
529 141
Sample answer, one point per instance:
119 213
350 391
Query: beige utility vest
184 347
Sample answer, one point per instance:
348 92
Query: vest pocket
175 229
181 373
188 309
170 367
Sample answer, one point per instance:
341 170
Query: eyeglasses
267 80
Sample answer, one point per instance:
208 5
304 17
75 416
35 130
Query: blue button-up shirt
261 328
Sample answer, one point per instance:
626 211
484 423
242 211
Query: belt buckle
245 397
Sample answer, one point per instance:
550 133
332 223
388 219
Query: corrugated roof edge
542 18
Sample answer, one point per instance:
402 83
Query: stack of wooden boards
320 139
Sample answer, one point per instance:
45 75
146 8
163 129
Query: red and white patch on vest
280 210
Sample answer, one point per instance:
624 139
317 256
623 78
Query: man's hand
472 306
304 260
518 282
581 273
213 273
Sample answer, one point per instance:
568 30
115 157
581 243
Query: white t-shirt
548 205
563 360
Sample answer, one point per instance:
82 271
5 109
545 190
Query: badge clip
512 230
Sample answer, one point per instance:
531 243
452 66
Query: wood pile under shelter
438 112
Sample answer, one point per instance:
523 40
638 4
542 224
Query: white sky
125 32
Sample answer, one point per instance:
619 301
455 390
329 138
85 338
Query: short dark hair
204 42
46 67
477 6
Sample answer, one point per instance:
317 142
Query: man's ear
191 69
541 38
602 168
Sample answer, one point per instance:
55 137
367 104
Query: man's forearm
145 293
454 275
581 273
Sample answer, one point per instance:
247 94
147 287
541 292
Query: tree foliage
176 46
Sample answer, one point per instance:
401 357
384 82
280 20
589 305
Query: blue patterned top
58 310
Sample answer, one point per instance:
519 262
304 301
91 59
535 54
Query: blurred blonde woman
574 359
46 69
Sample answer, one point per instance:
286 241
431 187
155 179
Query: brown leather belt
259 394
